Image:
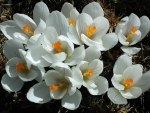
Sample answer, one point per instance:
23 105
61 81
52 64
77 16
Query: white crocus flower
70 13
22 27
128 81
18 69
92 32
56 48
132 30
60 83
91 68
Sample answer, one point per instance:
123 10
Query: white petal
73 36
145 26
135 37
133 72
40 11
134 21
116 81
123 22
58 94
71 102
11 67
77 56
93 9
22 19
52 77
40 28
33 41
9 28
144 82
81 23
90 42
91 53
122 39
83 65
74 14
28 76
109 41
102 86
66 8
39 93
97 67
53 58
102 26
121 64
40 71
58 21
115 96
21 37
77 75
64 69
36 57
48 38
130 50
22 54
11 84
133 92
67 45
11 49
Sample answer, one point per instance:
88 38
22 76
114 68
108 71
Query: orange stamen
71 21
88 72
20 66
128 82
27 29
55 87
57 46
90 31
132 31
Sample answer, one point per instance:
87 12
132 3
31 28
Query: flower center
27 29
55 87
71 21
87 73
132 31
57 45
128 82
20 66
90 30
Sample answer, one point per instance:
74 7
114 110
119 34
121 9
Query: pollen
90 30
88 72
56 87
27 29
71 22
132 31
20 66
128 82
57 45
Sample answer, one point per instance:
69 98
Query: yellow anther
27 29
88 72
90 30
132 31
55 87
57 46
20 66
128 82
